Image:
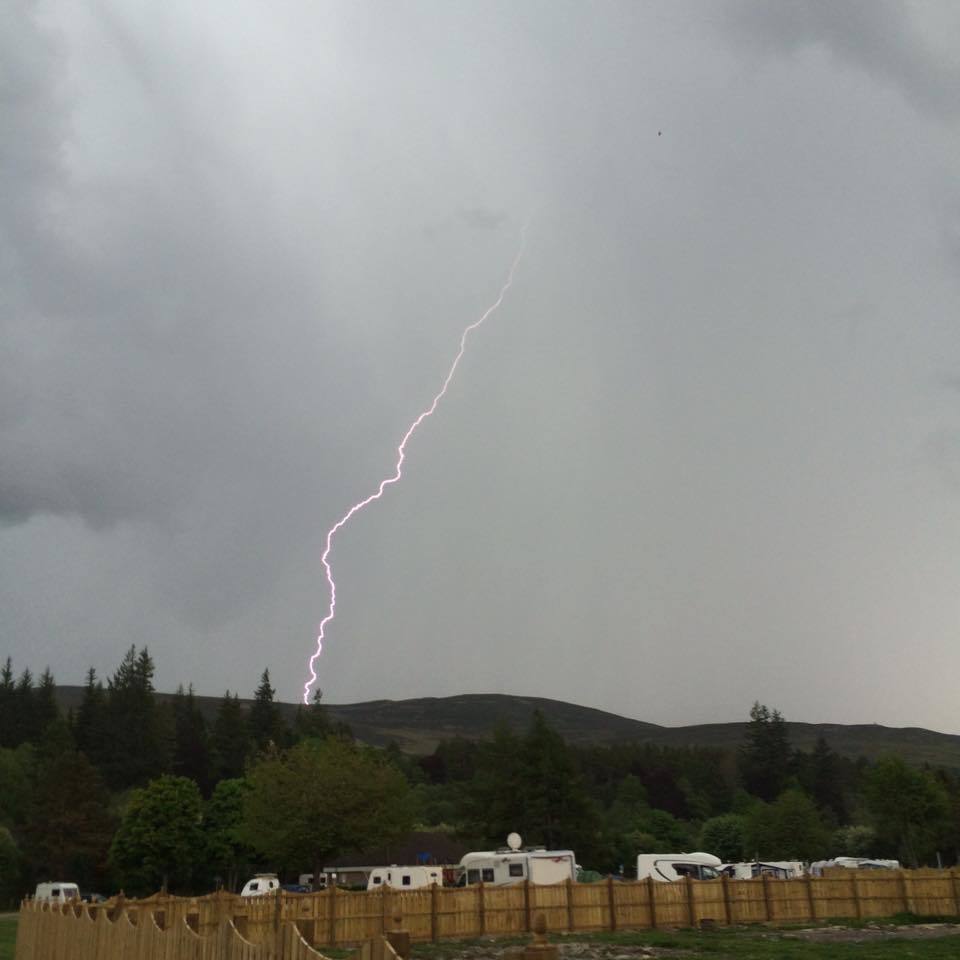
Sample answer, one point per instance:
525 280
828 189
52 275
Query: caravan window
406 880
686 870
473 876
516 869
488 874
253 886
377 878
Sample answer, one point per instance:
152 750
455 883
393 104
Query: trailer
514 864
404 878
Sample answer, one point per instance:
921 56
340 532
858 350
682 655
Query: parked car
87 897
296 887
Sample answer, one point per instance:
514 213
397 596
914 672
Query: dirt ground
493 949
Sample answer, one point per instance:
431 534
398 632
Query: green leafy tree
69 826
493 798
790 828
312 721
320 799
17 771
160 837
855 840
230 740
765 759
225 852
11 870
723 837
910 808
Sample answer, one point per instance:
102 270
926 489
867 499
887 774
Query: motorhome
57 891
668 867
404 878
511 864
853 863
262 883
777 869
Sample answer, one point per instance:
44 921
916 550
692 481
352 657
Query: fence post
384 908
725 887
570 922
277 909
907 892
526 905
691 907
810 900
953 887
765 878
332 929
434 920
481 907
856 895
612 900
651 887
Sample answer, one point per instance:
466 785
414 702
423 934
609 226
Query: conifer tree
765 760
266 725
8 706
191 752
230 742
138 745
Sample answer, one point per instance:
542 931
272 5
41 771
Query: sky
706 452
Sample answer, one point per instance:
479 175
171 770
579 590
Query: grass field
8 935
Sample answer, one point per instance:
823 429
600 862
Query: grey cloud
878 37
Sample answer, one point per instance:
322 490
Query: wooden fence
343 918
77 931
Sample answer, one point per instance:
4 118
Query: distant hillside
419 725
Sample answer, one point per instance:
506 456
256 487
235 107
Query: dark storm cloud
238 247
879 37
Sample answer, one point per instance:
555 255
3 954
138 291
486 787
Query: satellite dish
514 840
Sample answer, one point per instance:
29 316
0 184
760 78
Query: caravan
405 878
668 867
775 869
853 863
511 864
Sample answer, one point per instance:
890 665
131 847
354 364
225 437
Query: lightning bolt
398 469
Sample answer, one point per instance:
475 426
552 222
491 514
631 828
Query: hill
418 725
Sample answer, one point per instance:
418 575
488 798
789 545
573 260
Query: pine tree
312 721
266 725
191 752
23 713
8 706
230 742
90 721
45 708
138 746
765 760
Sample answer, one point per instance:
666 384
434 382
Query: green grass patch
8 935
750 943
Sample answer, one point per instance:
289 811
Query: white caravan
404 878
262 883
668 867
510 864
57 891
853 863
777 869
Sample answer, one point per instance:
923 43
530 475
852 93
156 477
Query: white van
58 891
404 878
668 867
262 883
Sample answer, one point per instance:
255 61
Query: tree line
132 791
